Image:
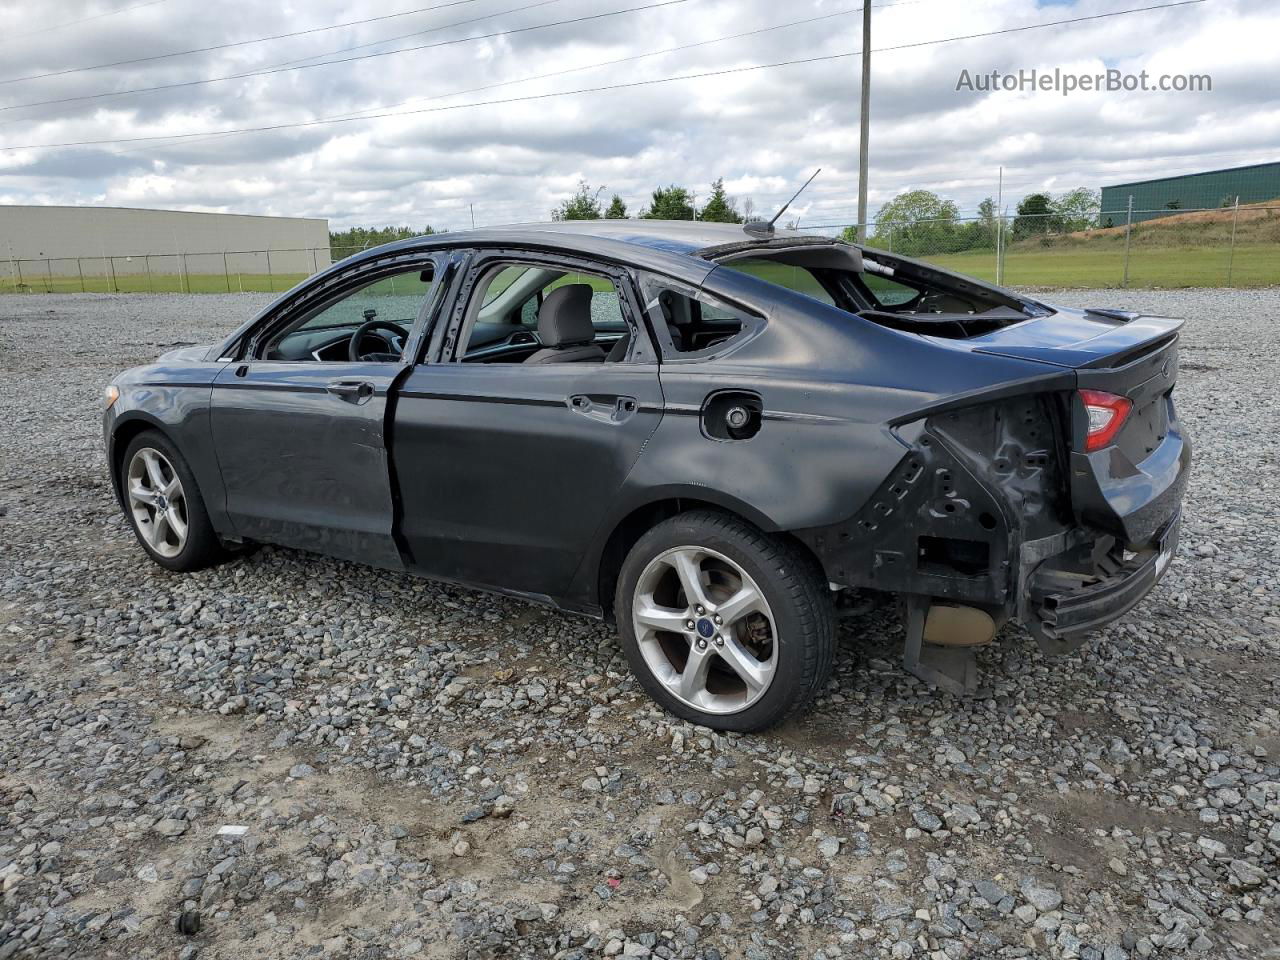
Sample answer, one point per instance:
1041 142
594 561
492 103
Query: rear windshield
897 294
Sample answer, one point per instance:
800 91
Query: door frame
328 291
444 344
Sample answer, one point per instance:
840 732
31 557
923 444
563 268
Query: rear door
299 427
506 469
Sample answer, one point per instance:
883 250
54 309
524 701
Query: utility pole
473 215
1128 229
1000 228
866 121
1231 256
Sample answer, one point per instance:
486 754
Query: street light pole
866 118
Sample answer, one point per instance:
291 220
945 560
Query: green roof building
1193 191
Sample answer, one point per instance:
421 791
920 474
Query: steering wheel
353 349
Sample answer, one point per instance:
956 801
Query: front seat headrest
564 319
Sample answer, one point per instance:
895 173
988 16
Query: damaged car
707 435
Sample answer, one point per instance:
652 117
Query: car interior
539 314
521 314
371 323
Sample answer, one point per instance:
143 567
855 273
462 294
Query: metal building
63 241
1210 190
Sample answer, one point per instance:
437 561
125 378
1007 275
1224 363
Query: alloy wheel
157 502
705 629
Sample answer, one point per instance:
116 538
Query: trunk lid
1078 338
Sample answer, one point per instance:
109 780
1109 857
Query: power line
71 23
286 36
603 88
368 56
301 60
359 114
237 43
306 61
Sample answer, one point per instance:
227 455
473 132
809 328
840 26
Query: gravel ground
429 771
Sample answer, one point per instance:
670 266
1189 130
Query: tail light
1107 413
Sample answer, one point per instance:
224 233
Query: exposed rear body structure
702 434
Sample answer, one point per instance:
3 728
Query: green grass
1253 265
1096 265
156 283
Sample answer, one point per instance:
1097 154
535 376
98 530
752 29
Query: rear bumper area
1064 601
1128 497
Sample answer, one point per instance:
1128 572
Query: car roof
674 241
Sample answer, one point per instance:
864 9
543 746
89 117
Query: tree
670 203
979 234
343 243
583 205
748 209
1035 215
617 209
720 207
917 222
987 211
1077 209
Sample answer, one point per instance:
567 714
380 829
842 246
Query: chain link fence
1229 246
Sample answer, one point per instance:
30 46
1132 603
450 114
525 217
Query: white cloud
764 132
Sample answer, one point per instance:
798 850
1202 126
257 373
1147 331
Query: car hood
191 353
1069 337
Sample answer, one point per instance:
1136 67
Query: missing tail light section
947 555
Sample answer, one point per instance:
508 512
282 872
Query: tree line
343 243
667 203
919 222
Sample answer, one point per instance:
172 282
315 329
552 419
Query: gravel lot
430 771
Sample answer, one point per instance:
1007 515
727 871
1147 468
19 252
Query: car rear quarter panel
832 388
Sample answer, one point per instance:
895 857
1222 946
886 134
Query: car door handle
352 391
607 409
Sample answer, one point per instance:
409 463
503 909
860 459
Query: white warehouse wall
65 235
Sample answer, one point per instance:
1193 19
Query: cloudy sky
762 130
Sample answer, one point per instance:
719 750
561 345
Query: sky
445 159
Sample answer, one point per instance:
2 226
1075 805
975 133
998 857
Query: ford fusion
716 438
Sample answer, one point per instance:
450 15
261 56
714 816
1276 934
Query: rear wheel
164 505
722 624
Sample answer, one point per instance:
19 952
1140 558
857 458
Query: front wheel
164 505
722 624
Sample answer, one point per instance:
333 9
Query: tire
147 494
787 633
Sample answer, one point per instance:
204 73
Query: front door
507 468
300 427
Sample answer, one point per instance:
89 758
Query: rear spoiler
1120 345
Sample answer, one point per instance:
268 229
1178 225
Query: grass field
156 283
1093 263
1253 265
